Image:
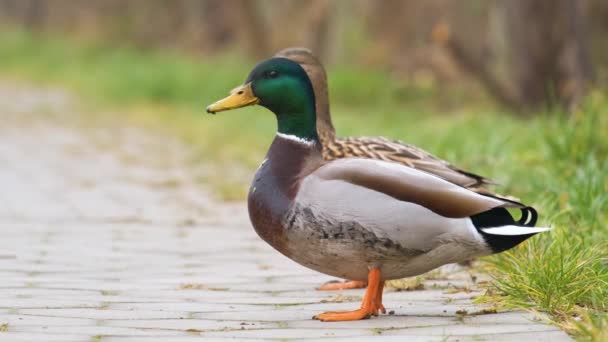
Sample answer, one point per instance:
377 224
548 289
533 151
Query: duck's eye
272 74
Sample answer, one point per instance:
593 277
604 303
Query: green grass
556 162
565 273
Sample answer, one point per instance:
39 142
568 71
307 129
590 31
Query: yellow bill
239 97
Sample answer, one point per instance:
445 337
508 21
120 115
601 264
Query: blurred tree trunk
320 13
474 63
400 30
8 9
35 14
388 28
217 23
250 27
550 57
29 13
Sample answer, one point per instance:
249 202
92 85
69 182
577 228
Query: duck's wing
396 151
412 185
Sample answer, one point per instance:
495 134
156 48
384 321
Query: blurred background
522 54
475 82
514 90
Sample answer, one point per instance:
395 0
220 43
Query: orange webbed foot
346 285
371 305
337 316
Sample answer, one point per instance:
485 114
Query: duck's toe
343 285
337 316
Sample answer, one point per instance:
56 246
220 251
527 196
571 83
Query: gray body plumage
339 221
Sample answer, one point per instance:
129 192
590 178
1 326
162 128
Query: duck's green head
281 86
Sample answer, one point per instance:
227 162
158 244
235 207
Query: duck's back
381 148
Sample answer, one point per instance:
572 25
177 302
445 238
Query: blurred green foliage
167 77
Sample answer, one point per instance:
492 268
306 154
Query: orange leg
372 302
379 298
346 285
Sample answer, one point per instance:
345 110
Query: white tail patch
514 230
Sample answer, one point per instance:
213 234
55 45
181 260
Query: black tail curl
498 217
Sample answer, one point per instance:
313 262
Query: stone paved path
105 236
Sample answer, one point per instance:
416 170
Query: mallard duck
371 147
356 218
